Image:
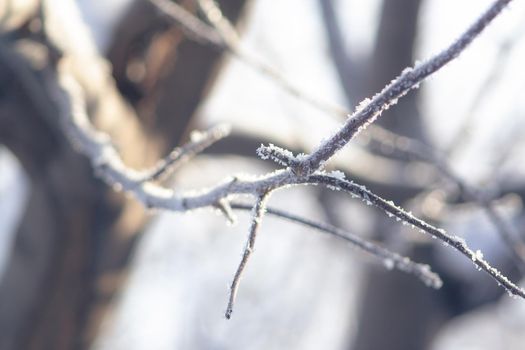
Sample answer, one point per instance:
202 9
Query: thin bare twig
349 69
407 218
199 142
225 208
231 38
391 260
409 79
194 27
419 151
257 214
224 36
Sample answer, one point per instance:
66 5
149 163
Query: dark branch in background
228 40
231 38
257 215
301 170
193 27
347 67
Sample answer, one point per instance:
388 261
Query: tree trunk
72 248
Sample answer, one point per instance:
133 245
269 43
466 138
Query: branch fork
299 170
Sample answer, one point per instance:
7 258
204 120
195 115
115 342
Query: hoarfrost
389 263
196 136
337 174
478 255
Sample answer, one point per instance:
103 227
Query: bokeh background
82 266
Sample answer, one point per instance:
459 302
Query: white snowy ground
300 288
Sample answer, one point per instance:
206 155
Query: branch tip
258 212
224 207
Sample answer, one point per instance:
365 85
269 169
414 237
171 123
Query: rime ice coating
302 170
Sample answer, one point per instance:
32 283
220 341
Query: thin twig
223 36
194 27
257 214
410 78
277 154
231 38
349 69
390 259
199 142
407 218
225 208
419 151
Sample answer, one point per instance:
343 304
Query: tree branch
419 151
111 168
408 219
257 214
180 155
409 79
349 70
390 259
229 41
301 169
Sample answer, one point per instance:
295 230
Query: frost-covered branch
408 219
257 215
180 155
279 155
390 259
110 167
417 150
300 170
409 79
